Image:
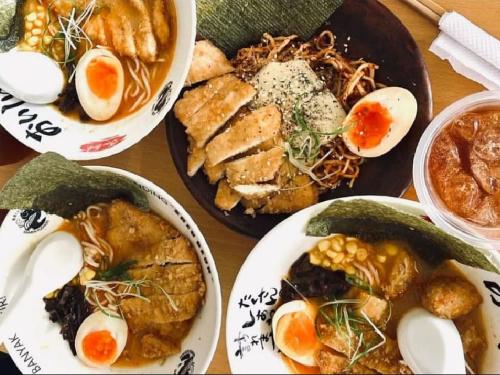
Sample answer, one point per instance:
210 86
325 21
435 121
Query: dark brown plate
376 35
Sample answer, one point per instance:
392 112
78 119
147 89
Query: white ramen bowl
249 341
40 338
44 128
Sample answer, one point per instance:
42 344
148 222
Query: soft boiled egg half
100 340
379 121
100 82
294 332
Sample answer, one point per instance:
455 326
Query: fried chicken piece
158 13
217 111
208 62
294 197
450 297
401 276
194 100
173 279
196 159
334 363
154 347
250 131
261 167
161 309
226 198
147 48
214 173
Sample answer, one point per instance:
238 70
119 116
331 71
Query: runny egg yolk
99 346
371 123
299 333
102 77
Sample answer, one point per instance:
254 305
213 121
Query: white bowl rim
390 201
130 140
199 236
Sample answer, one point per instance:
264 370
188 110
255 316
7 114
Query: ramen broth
156 71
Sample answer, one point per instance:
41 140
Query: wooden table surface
151 158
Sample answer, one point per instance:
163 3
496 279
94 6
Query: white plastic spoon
31 76
55 262
430 345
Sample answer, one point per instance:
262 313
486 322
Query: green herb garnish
118 272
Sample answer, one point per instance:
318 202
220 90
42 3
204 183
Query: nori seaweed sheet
233 24
11 23
371 222
58 186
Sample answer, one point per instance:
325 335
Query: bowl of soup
457 169
156 260
124 65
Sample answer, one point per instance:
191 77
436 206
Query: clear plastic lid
438 212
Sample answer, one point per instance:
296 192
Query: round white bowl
44 128
250 347
22 230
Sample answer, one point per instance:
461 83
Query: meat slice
256 191
96 30
252 130
162 310
215 173
301 194
147 48
196 99
121 34
257 168
172 279
217 111
226 198
154 347
132 231
177 251
196 159
208 62
161 27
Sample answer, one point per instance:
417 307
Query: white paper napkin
471 51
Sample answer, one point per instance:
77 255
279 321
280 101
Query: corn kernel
341 240
391 249
27 35
41 15
37 32
86 275
362 254
381 258
330 254
38 23
40 8
31 17
314 259
339 257
326 263
33 41
28 26
47 39
350 270
324 246
336 245
351 247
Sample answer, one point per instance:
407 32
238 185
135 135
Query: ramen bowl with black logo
45 128
35 334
